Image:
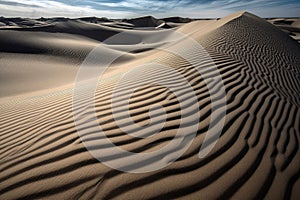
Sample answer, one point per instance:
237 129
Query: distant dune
290 26
256 157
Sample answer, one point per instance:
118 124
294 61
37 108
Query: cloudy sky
157 8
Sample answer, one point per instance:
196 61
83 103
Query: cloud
158 8
46 8
142 5
11 3
262 8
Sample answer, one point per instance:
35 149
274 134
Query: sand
290 25
256 157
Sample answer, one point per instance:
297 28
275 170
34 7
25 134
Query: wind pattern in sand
258 151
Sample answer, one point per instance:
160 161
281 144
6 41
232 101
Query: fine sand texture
257 155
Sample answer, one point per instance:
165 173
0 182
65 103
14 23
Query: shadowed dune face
257 155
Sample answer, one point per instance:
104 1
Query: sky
157 8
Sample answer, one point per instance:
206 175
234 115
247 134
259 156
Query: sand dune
290 26
147 21
256 157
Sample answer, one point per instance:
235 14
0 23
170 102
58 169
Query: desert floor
256 62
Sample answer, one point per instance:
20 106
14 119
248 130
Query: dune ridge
256 157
